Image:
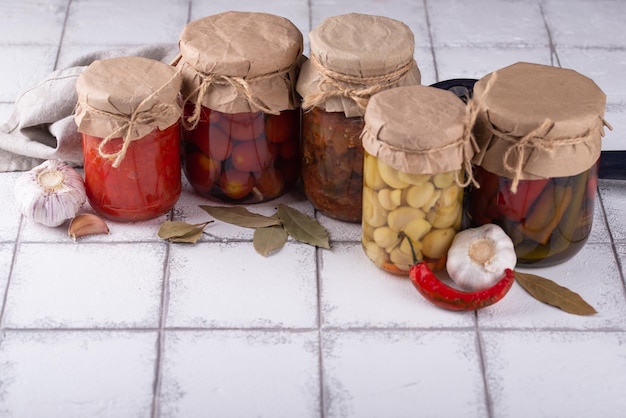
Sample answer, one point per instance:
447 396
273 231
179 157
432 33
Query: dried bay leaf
547 291
240 216
269 239
176 231
302 227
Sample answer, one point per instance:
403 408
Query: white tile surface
511 24
402 374
126 23
359 294
9 216
592 273
478 61
6 258
32 21
561 374
75 286
77 374
586 23
240 374
23 66
613 193
224 286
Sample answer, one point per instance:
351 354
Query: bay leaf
269 239
176 231
547 291
240 216
302 227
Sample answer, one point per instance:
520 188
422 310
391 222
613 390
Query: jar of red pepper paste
418 149
539 130
128 112
353 56
242 113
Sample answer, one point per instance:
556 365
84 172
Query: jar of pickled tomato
539 131
131 136
241 142
418 152
347 66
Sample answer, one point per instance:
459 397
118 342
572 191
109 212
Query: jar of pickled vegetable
418 150
131 136
539 130
347 66
241 141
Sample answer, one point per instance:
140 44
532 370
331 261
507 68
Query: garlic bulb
50 193
478 257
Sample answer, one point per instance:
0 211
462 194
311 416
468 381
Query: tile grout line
551 44
620 267
483 366
160 343
5 297
430 39
320 331
67 14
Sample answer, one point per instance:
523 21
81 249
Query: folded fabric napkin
42 126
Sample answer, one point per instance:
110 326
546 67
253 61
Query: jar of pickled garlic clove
538 159
417 164
241 142
131 137
347 65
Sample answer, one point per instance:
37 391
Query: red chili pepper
447 297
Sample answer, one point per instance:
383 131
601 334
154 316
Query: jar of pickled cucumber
539 130
347 65
130 136
241 142
418 149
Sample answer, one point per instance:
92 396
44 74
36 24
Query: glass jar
538 159
146 184
549 220
332 157
346 67
417 151
249 156
242 117
131 137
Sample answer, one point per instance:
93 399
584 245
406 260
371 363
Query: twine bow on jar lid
536 121
345 70
236 62
144 97
421 130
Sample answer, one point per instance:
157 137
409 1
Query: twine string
241 84
129 122
358 89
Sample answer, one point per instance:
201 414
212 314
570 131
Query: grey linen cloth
42 126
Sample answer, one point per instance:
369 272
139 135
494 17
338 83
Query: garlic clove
87 224
50 193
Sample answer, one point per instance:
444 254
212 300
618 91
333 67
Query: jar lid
538 121
418 129
354 56
127 97
236 62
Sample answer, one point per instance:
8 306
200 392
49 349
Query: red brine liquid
244 157
147 182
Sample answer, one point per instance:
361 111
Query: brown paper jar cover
248 62
540 120
357 46
111 92
418 129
